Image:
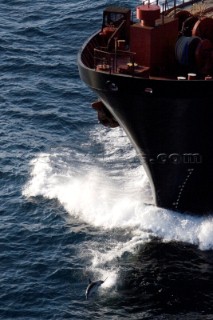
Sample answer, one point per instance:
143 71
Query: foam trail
97 199
111 202
100 260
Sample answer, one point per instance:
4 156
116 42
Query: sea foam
97 199
108 189
111 192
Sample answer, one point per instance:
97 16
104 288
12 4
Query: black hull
169 123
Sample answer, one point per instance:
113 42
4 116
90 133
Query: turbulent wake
112 199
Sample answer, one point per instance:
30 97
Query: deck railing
170 4
108 61
96 57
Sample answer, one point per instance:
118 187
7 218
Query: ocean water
73 193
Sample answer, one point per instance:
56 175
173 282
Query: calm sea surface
72 192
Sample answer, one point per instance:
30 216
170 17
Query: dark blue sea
73 193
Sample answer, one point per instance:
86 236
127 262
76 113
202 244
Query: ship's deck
103 55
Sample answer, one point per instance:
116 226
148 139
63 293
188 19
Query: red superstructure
153 38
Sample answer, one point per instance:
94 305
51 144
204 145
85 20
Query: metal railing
95 56
170 4
108 61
